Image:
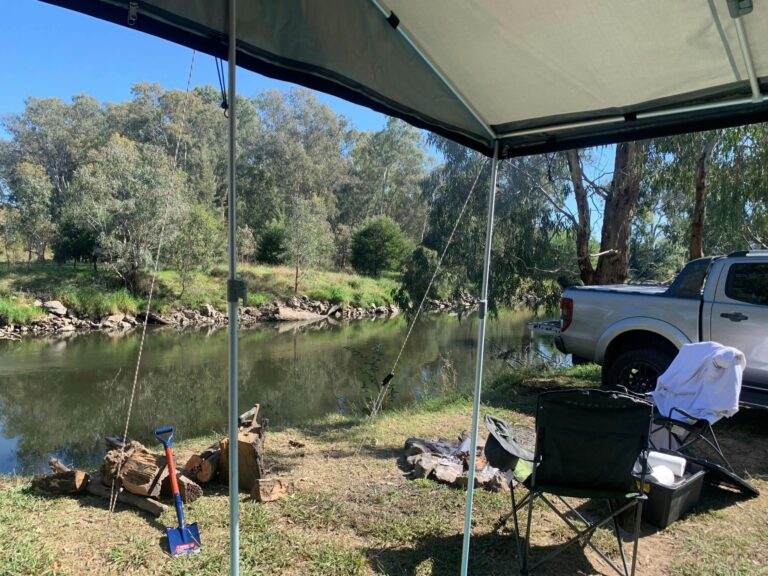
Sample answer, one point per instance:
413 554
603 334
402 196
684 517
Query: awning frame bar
437 72
757 96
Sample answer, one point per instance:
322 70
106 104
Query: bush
272 244
378 245
418 272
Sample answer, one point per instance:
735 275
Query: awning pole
479 365
232 301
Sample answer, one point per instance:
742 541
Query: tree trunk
617 217
696 247
296 281
584 228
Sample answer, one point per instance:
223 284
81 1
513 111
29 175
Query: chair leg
524 567
513 513
618 536
636 535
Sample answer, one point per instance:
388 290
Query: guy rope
115 489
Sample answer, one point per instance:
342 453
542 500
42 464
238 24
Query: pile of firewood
141 478
213 462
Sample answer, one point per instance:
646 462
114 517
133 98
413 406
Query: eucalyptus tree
308 238
31 196
299 152
388 167
129 194
56 136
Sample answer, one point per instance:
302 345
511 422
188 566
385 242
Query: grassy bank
98 292
358 515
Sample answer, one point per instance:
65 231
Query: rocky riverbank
59 319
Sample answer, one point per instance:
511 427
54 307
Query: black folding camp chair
587 444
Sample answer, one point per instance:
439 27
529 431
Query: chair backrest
590 439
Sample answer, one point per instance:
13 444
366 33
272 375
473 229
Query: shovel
186 538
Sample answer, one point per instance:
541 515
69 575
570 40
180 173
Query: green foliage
128 194
16 311
272 244
198 243
31 193
308 238
418 272
75 241
97 302
377 246
246 244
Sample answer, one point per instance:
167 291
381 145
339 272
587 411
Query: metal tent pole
233 295
479 365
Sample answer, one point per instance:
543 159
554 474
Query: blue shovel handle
160 434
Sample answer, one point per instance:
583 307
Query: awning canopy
536 76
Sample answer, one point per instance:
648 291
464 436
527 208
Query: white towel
704 380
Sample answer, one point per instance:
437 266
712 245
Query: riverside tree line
103 183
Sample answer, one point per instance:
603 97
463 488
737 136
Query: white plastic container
675 463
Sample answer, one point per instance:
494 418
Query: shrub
272 244
378 245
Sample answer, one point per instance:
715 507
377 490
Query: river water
60 397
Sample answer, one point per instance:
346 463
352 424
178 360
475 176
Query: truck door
739 314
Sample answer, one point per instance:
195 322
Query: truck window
748 283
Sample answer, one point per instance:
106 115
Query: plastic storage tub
666 504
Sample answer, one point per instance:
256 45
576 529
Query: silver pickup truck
634 332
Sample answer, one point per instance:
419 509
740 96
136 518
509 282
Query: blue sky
50 51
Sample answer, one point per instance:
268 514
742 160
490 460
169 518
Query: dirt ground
361 515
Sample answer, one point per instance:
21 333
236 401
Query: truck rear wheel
638 369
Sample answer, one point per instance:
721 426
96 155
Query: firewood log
250 447
97 488
204 467
67 482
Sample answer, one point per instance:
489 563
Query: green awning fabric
537 76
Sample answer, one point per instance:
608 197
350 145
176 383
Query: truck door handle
734 316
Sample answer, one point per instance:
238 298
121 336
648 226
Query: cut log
143 473
67 482
56 465
248 419
203 467
271 489
250 446
97 488
189 490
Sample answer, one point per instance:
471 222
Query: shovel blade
183 541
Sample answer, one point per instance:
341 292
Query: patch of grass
22 548
131 555
18 311
96 303
334 560
311 509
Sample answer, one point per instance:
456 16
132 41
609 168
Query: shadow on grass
491 554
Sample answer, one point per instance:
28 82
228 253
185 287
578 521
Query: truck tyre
637 370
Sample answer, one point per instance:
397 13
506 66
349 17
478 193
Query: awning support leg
479 364
233 297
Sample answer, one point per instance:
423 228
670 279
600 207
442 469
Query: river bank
360 515
56 318
44 299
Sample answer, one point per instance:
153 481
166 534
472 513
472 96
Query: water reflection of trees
64 397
